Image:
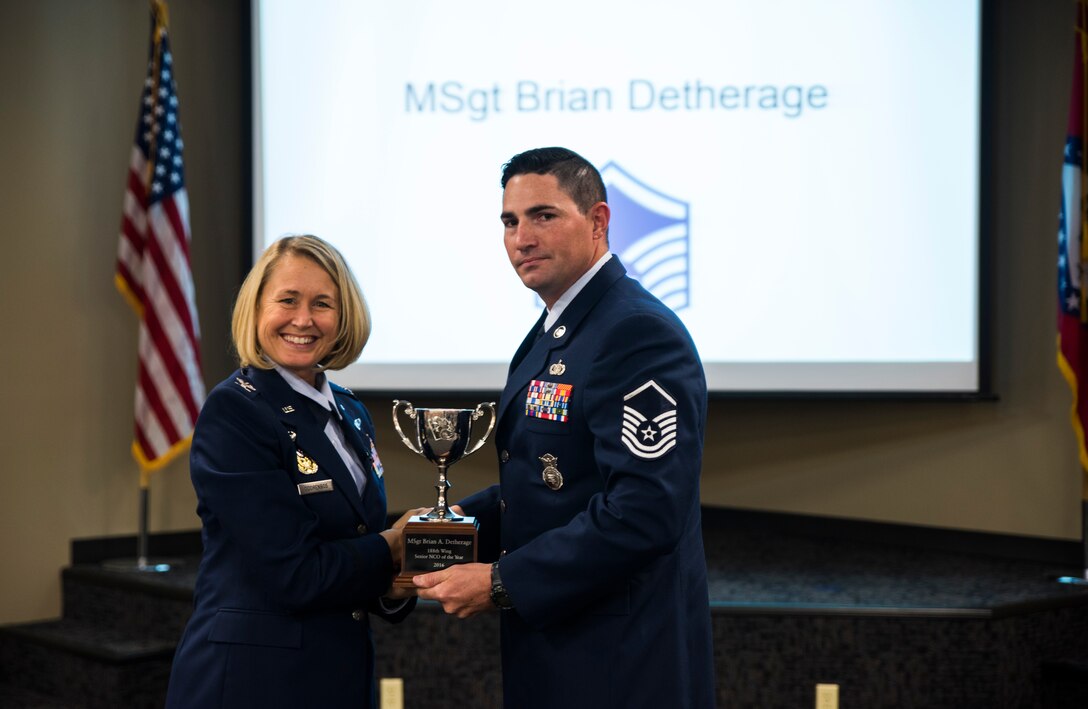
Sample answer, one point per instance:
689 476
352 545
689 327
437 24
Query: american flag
153 270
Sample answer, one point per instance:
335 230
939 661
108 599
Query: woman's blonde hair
353 328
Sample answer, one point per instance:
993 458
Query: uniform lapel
533 356
374 492
527 344
292 410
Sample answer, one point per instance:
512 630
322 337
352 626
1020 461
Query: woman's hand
394 536
399 524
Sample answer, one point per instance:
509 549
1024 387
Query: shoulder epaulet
342 390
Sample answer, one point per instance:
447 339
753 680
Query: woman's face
297 315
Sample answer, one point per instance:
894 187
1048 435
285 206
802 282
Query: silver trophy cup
442 436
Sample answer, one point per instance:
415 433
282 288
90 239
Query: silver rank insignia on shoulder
557 368
244 384
551 475
358 424
306 465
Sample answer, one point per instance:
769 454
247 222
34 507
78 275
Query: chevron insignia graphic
649 421
649 232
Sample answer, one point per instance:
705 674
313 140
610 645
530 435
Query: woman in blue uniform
290 494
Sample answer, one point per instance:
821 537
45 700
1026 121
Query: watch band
499 596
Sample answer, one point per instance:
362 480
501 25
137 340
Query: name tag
315 486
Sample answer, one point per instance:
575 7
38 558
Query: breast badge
551 475
306 465
557 369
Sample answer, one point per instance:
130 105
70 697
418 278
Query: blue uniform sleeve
484 506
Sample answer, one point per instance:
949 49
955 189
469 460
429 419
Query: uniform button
502 553
361 529
356 615
505 456
502 505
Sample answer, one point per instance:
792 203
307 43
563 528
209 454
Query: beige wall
70 74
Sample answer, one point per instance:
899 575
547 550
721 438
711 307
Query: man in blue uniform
601 578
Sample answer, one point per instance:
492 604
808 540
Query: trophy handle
411 411
477 413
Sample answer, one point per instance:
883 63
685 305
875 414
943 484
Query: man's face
550 243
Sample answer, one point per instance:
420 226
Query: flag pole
143 561
1081 580
1084 536
142 534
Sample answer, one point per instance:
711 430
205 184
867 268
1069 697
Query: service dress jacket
293 560
599 440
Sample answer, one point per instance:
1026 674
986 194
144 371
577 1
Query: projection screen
799 181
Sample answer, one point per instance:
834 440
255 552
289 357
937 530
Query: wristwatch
499 596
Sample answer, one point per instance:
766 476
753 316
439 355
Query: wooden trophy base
433 544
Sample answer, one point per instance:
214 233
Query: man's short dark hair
576 175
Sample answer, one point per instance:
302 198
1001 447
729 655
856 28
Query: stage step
142 603
112 647
14 697
94 665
